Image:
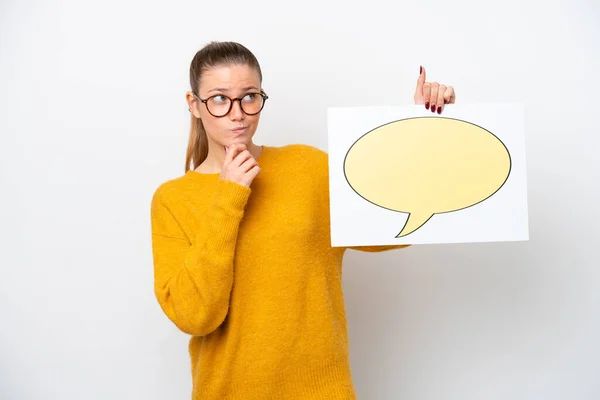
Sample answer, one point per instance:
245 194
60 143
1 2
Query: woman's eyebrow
227 90
217 90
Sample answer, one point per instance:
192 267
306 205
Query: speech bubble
425 166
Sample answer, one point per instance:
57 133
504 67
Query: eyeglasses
219 105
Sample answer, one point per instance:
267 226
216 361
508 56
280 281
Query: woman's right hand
239 165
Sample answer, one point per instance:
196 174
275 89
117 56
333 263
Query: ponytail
197 144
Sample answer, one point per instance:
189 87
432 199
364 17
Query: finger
236 148
434 95
248 164
254 171
419 90
229 152
241 158
440 99
426 94
449 95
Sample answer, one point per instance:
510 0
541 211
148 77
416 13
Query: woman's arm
193 277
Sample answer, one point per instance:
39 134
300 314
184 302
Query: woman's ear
192 104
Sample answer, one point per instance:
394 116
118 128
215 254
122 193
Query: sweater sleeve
193 277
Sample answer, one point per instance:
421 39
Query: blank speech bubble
425 166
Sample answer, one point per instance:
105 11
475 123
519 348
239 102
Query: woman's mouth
240 130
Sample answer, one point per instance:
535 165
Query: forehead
229 77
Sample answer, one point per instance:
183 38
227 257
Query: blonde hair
212 55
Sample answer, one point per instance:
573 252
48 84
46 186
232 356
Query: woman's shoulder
166 189
307 165
181 187
300 152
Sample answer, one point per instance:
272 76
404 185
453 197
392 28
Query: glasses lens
252 103
218 105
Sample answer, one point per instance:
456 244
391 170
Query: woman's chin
242 139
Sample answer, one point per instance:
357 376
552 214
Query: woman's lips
240 130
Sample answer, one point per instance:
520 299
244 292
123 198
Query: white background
93 118
356 221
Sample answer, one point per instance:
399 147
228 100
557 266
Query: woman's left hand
433 95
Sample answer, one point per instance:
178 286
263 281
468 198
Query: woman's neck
216 157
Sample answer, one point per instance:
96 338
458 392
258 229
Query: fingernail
427 105
439 110
420 70
433 108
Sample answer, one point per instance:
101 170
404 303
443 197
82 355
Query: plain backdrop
93 119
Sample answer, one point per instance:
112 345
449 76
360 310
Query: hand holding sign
433 95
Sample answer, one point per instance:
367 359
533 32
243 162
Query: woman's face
233 81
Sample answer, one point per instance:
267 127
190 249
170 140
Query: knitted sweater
250 273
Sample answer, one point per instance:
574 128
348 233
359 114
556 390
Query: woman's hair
212 55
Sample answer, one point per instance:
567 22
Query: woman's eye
250 97
219 99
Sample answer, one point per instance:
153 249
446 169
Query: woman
241 246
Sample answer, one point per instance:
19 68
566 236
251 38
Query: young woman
241 245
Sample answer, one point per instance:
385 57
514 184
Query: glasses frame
231 101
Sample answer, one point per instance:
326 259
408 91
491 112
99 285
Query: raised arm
194 276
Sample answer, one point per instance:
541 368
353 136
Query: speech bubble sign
425 166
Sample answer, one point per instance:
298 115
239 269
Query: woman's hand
433 95
239 165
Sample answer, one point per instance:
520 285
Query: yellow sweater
250 273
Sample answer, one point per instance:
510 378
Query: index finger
230 153
236 149
420 83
